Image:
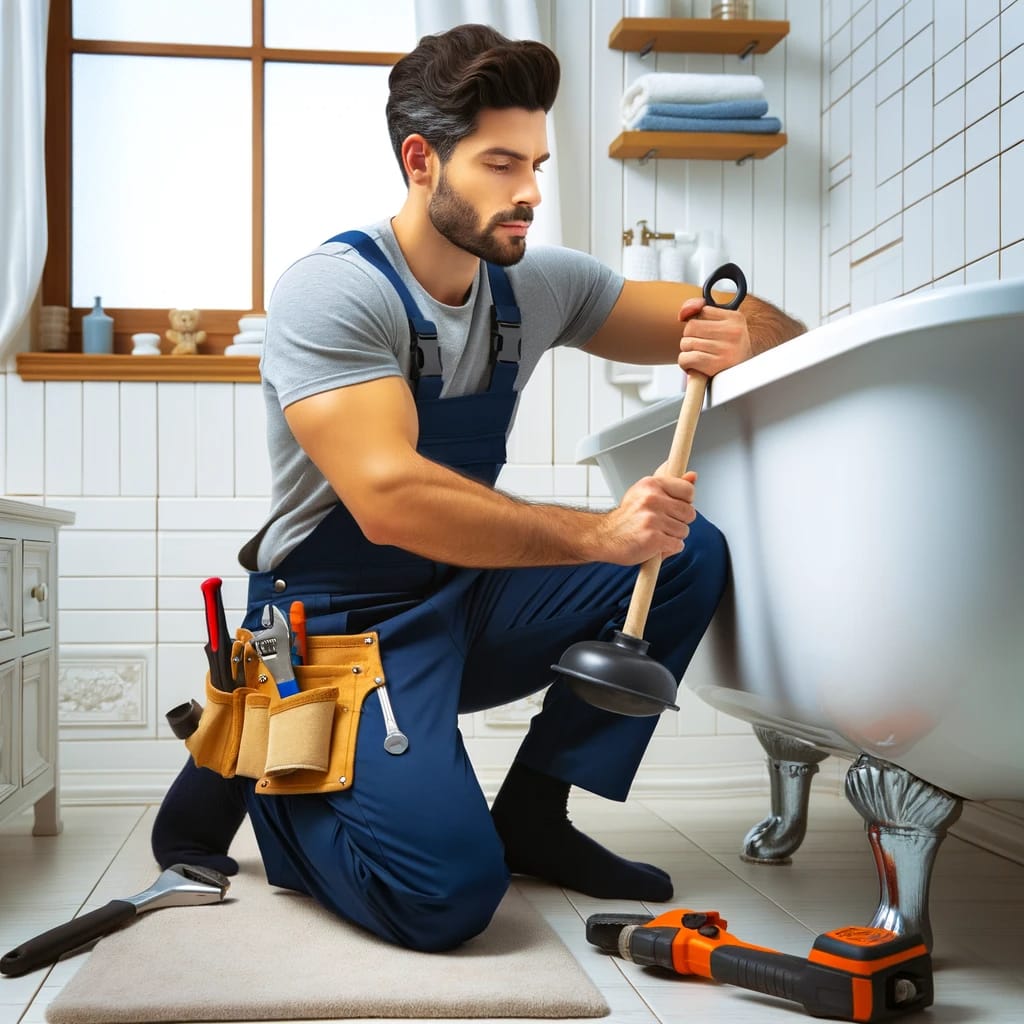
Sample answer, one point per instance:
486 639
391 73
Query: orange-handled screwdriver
852 973
297 621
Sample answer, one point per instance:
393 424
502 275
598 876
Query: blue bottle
98 331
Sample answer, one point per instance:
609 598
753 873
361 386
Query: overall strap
506 320
426 354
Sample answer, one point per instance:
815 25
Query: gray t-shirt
335 320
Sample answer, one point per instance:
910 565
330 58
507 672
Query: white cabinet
28 661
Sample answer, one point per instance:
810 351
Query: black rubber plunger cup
618 675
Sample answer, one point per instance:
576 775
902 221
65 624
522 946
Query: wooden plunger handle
678 457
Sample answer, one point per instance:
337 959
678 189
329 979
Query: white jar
146 344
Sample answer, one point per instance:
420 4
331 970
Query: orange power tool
852 973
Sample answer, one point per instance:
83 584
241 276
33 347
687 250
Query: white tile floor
977 904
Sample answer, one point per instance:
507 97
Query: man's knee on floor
460 909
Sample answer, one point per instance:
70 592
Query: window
194 149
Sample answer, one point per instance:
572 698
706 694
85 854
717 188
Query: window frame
220 324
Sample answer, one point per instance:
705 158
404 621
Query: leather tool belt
304 743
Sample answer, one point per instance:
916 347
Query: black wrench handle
48 947
727 272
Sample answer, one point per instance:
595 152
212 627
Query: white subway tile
889 274
63 437
107 553
917 244
176 438
198 554
982 141
101 438
862 286
840 46
839 216
982 48
916 14
979 13
862 248
948 161
863 61
532 439
1011 33
215 439
25 422
889 126
917 122
107 627
180 672
889 76
890 38
889 232
917 181
840 79
1012 197
1012 66
839 280
182 626
841 172
949 73
1011 123
948 229
887 9
889 200
839 131
917 54
950 25
571 406
252 461
111 513
981 96
863 144
138 439
841 12
212 513
107 592
184 593
954 280
863 24
982 271
949 117
1011 261
981 211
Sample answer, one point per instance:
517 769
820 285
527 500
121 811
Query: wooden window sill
78 366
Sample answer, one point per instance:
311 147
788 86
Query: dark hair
439 89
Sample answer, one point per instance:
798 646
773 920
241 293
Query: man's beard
456 220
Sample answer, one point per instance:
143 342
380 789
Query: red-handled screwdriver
218 645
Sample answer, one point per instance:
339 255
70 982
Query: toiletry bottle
707 258
98 331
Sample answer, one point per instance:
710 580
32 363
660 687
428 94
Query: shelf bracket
649 155
751 47
648 46
743 159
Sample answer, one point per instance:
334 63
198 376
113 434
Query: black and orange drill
851 973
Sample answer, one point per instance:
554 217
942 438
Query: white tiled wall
923 119
904 125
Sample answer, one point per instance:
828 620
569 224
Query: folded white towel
682 87
247 337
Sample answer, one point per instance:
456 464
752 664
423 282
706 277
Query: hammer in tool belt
852 973
181 885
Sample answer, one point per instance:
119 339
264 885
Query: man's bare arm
363 439
643 325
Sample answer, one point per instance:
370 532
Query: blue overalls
410 851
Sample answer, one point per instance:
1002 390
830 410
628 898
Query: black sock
197 820
530 814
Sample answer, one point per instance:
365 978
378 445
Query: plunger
618 675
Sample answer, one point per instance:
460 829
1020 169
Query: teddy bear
183 331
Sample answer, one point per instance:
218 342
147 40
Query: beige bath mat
191 964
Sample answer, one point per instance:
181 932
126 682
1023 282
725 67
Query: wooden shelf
736 146
77 366
697 35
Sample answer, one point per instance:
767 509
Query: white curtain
22 176
517 19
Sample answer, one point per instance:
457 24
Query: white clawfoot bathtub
869 479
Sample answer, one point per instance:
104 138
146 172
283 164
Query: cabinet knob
38 592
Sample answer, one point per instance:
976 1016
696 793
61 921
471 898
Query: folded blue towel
758 125
724 108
